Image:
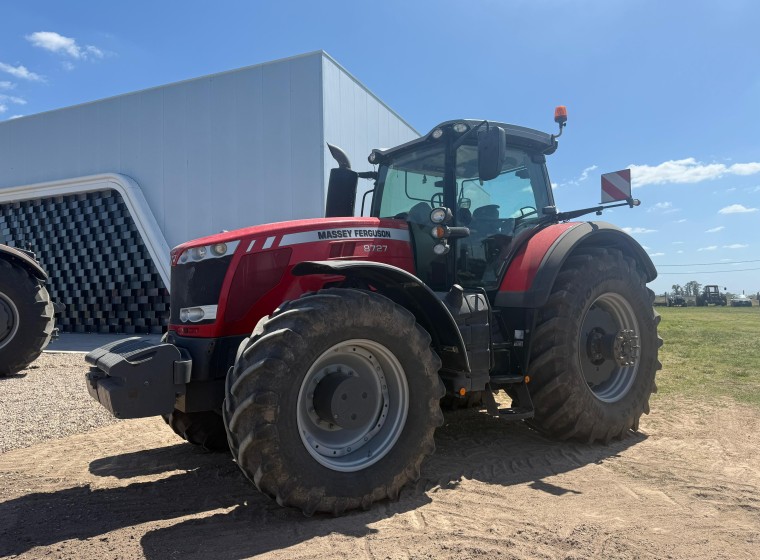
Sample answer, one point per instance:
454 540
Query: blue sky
669 89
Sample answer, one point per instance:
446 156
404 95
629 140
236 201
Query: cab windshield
412 184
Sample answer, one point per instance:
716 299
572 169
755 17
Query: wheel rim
352 405
8 320
609 347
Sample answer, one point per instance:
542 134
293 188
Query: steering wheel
439 198
524 214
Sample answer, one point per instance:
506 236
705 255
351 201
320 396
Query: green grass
710 351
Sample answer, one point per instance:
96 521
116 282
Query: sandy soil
687 486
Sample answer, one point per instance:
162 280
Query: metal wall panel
212 153
357 121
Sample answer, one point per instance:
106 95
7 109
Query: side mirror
341 193
492 151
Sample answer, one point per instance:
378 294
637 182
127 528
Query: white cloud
679 252
578 180
736 246
687 170
12 99
682 220
753 189
638 230
732 189
7 85
59 44
20 72
745 168
710 248
736 209
14 117
715 229
3 108
665 207
656 254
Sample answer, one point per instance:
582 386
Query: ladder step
506 379
516 413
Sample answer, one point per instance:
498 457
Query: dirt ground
687 486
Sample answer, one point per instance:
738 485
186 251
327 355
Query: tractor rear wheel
204 429
26 318
333 402
594 349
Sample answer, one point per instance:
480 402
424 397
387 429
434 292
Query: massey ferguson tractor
26 312
319 351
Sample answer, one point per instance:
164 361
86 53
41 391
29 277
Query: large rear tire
26 318
333 402
594 349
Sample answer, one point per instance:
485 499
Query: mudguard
23 260
531 274
411 293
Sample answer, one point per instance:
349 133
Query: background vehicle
711 295
26 312
319 349
676 301
741 301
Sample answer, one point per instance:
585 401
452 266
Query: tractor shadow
244 523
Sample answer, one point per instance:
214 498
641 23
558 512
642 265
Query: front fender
408 291
531 274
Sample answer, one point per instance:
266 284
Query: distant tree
692 288
677 289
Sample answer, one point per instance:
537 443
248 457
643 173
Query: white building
173 163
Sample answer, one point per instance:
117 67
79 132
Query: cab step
524 411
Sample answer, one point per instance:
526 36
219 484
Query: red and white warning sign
616 186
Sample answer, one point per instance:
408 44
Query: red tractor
319 351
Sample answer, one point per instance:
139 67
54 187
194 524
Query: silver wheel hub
352 405
608 347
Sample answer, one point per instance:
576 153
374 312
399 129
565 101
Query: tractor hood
275 234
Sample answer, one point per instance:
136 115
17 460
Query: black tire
595 291
26 318
270 401
204 429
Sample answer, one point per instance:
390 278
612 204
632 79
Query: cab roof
528 138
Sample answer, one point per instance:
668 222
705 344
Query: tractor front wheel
594 349
26 318
333 402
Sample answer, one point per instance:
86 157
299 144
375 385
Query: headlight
439 215
197 314
437 133
460 127
441 248
220 249
205 252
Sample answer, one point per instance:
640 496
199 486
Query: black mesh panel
98 264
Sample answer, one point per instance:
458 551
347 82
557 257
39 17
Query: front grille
197 283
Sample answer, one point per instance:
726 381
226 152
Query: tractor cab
490 182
